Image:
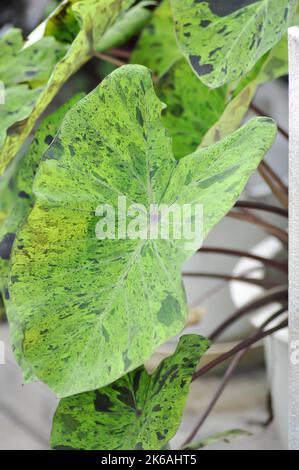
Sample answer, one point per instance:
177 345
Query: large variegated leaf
92 310
223 40
61 45
17 191
138 411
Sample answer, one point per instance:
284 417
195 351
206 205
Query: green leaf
206 441
92 310
17 190
23 72
224 40
54 51
196 115
139 411
157 48
271 66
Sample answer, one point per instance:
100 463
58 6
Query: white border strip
294 235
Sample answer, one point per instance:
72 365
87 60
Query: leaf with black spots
272 65
223 40
95 308
138 411
33 72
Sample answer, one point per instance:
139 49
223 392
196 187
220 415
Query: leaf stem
275 294
228 277
281 266
260 206
109 58
228 374
239 347
276 189
269 228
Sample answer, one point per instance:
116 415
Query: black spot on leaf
139 446
204 23
102 402
200 69
126 396
48 139
6 245
23 195
139 116
226 7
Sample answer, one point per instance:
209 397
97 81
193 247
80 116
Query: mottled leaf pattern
157 48
23 72
272 65
19 203
139 411
81 23
196 115
191 107
223 40
92 309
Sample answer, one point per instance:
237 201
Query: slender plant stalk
109 58
228 277
279 265
239 347
274 176
275 294
276 190
228 374
122 53
269 228
260 206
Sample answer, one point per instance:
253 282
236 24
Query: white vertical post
294 238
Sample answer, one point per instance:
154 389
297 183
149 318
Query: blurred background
26 410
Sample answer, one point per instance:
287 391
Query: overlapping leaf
223 40
23 73
55 50
272 65
17 192
139 411
196 115
191 108
92 310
